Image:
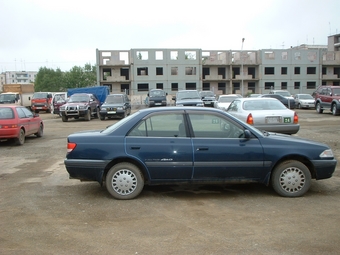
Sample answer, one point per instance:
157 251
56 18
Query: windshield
206 94
40 95
78 99
187 95
114 100
307 96
283 93
226 99
7 98
157 93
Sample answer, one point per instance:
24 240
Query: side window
214 126
21 113
28 113
165 125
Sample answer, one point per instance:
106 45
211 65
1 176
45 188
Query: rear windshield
6 113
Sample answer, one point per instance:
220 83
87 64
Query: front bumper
324 169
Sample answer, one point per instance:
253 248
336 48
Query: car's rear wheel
20 140
318 108
97 114
40 131
291 178
124 181
102 117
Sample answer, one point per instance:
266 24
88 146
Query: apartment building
21 77
300 69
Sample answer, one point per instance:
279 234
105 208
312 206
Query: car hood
75 104
307 100
225 105
208 98
194 100
292 138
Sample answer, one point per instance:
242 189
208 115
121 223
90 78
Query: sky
66 33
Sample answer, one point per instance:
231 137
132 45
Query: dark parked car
288 102
195 145
157 97
188 98
208 98
115 105
80 105
17 122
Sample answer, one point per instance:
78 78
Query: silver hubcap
292 180
124 182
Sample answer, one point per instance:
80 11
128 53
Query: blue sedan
177 145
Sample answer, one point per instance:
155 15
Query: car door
221 152
25 120
160 143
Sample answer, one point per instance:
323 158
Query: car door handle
135 148
202 149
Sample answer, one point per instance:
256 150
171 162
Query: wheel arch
135 162
299 158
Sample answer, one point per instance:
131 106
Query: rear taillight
71 147
9 126
296 118
250 119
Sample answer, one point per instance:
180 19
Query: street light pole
242 88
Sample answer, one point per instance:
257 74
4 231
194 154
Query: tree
48 79
54 80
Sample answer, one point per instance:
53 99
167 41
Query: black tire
124 115
334 110
299 106
102 117
40 132
64 118
291 178
97 114
124 181
318 108
20 140
88 115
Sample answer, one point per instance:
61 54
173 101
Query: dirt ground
44 212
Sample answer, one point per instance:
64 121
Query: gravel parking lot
44 212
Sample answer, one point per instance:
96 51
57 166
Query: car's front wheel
318 108
291 178
124 181
88 115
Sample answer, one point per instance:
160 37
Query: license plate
158 104
287 120
39 107
273 120
111 112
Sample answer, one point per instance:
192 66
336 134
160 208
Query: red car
17 122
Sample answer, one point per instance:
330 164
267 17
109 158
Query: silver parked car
224 101
266 114
304 101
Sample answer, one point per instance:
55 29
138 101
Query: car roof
256 98
180 108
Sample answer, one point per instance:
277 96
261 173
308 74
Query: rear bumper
284 129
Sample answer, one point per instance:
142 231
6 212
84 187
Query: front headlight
200 104
82 107
103 109
62 108
120 108
327 154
